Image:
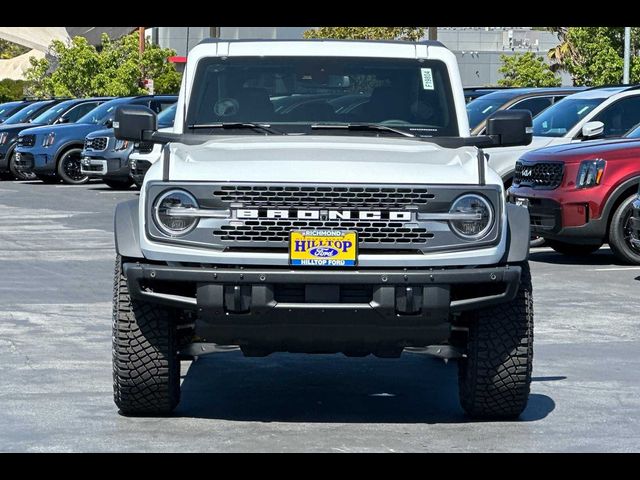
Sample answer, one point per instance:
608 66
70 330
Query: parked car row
47 139
580 174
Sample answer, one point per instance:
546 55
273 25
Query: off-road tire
146 368
495 376
118 184
17 174
619 233
67 168
572 249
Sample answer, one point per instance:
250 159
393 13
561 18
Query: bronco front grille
378 232
26 140
543 175
323 196
244 221
97 144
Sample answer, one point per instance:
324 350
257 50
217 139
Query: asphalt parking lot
56 266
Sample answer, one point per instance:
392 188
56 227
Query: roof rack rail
626 87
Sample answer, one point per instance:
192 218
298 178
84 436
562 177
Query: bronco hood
322 159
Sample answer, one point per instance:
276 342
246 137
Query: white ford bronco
322 197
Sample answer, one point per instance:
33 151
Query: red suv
580 195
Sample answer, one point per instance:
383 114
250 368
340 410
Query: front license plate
323 248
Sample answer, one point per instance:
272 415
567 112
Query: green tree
368 33
593 56
11 90
81 70
9 49
526 70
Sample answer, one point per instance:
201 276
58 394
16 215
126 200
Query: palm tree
564 52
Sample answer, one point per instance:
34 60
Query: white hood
322 159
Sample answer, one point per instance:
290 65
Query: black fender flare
518 233
126 229
616 195
65 146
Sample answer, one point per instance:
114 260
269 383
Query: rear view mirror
510 127
134 122
592 129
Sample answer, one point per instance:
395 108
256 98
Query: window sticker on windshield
427 78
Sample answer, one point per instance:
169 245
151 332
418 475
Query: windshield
51 115
100 115
9 108
26 113
166 117
561 117
480 108
297 92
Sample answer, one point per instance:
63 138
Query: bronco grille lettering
322 214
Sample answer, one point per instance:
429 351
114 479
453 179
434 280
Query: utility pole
433 33
141 39
627 54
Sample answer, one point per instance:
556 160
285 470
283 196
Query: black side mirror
510 127
134 122
63 120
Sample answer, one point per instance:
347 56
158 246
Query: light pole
627 54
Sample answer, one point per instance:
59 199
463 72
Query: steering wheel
226 107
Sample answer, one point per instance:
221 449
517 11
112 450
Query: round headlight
172 223
480 214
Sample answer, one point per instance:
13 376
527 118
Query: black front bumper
304 310
545 216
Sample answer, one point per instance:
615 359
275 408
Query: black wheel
572 249
17 174
69 167
48 179
146 368
620 233
495 376
118 184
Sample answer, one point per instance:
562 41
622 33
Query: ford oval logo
323 252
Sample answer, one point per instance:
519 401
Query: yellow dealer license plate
323 248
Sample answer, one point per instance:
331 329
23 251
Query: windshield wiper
234 125
361 126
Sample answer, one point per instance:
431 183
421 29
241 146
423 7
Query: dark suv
533 99
9 108
50 112
53 152
106 158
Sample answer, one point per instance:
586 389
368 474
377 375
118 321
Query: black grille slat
311 196
265 230
541 175
97 144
